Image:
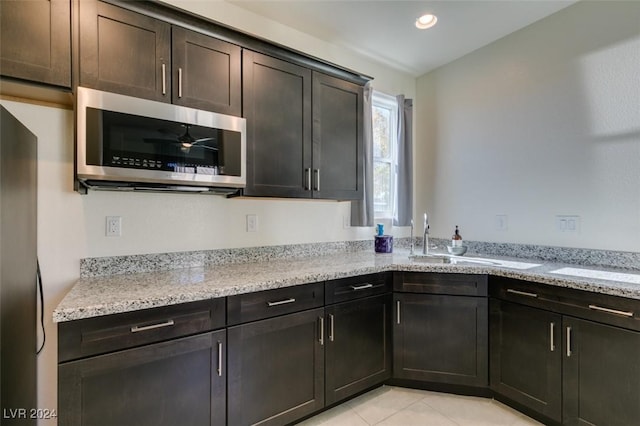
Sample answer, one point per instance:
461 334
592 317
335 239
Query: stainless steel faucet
412 242
425 237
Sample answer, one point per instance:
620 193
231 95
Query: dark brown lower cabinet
526 357
276 369
568 370
441 339
358 348
177 382
601 374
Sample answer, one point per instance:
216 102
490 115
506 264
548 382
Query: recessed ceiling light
426 21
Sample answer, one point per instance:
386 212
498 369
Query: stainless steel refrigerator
18 265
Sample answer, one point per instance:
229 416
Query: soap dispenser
456 239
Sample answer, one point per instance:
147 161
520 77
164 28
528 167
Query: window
385 148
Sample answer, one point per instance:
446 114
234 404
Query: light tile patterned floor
390 405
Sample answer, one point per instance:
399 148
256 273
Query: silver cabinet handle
321 340
627 314
331 321
568 342
219 370
164 79
137 328
521 293
361 287
179 82
317 173
552 346
307 173
398 312
281 302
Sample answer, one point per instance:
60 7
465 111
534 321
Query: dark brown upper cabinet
133 54
337 138
277 106
206 72
124 52
304 131
36 41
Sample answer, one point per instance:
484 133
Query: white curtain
362 211
404 193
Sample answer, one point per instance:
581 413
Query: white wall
71 226
543 122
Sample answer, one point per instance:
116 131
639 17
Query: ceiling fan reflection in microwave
186 141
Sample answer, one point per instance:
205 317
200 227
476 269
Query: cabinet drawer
93 336
357 287
604 308
437 283
270 303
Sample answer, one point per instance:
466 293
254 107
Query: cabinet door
277 106
526 357
175 382
36 41
601 382
337 138
276 369
358 346
441 339
206 72
124 52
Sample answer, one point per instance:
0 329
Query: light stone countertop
96 296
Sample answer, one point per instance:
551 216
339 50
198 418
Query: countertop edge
71 311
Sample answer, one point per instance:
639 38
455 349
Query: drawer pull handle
164 79
397 312
552 346
281 302
321 339
568 342
219 369
627 314
331 320
138 328
361 287
307 173
521 293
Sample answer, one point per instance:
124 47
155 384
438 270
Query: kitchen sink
431 258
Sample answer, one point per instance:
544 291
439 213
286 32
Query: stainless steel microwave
130 143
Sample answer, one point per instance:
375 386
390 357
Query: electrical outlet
568 223
252 223
113 226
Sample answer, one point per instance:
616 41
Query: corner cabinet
126 52
36 39
144 368
565 356
304 131
441 329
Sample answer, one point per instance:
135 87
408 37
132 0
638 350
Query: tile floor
390 405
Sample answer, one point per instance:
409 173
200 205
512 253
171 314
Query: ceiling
385 31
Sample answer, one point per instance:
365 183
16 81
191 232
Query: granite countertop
96 296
